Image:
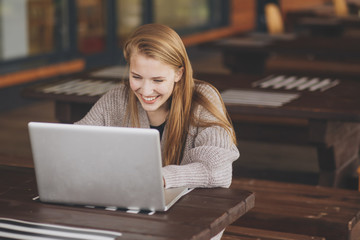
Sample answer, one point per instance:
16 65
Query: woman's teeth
149 98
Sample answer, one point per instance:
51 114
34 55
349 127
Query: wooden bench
316 211
243 233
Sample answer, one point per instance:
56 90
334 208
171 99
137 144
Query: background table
249 53
323 19
327 120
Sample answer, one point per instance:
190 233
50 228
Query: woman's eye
136 77
158 80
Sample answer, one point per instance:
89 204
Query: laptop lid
99 166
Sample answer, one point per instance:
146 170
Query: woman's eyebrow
159 77
134 73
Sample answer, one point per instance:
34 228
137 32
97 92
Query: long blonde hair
164 44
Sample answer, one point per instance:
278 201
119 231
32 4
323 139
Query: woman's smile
149 100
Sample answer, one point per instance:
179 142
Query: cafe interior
287 70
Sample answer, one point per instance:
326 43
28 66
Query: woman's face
152 82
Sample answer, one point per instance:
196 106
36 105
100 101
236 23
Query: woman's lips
149 99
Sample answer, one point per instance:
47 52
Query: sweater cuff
190 175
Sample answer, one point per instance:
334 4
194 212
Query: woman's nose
147 88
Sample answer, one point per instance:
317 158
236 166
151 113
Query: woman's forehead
143 65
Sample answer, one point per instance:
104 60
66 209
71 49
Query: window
182 14
27 28
36 33
185 16
91 26
189 16
130 15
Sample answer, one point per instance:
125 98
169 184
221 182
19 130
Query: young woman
197 138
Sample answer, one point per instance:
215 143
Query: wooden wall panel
53 70
243 14
242 19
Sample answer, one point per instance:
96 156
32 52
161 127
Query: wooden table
328 120
323 20
200 214
249 53
72 106
328 213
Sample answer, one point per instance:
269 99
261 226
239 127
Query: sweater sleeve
208 155
104 110
95 116
208 164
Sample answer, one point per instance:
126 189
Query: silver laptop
100 166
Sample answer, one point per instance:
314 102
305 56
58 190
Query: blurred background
86 34
46 40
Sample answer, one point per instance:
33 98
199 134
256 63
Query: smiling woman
198 143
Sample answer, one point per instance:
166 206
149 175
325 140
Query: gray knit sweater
208 153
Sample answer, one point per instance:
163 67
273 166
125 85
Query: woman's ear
179 73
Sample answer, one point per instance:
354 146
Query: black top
160 128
